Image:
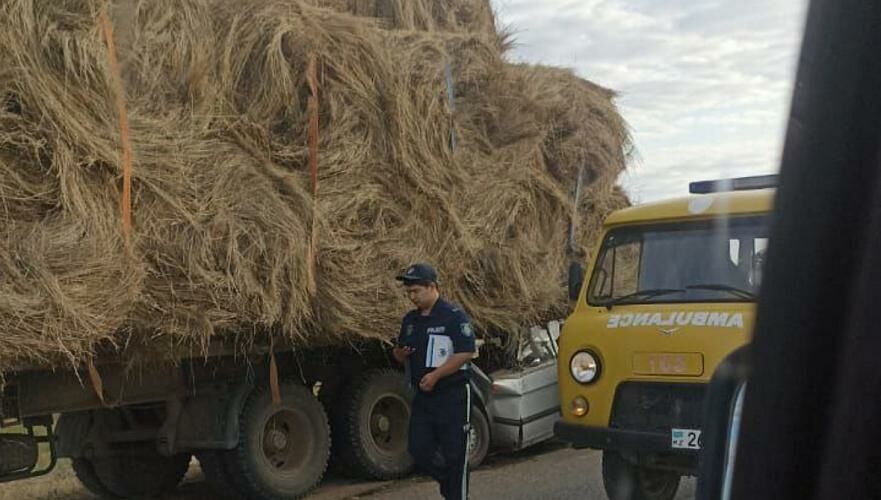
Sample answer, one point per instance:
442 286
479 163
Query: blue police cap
418 273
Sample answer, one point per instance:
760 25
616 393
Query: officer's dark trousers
439 438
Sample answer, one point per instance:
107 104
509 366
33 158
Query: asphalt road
546 471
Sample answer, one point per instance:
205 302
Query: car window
537 346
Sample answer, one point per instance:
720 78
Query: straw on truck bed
186 186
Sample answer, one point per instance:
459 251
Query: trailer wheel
140 472
626 481
85 473
478 438
371 422
283 449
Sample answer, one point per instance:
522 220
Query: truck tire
371 424
216 474
140 472
283 449
85 473
626 481
478 438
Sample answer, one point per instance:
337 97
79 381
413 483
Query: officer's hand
402 353
428 381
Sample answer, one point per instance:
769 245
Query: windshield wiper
642 294
745 294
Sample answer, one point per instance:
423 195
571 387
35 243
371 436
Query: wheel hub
383 423
286 440
277 439
388 423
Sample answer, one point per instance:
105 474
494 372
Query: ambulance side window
602 285
618 270
748 255
760 246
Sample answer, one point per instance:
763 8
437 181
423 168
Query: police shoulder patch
467 330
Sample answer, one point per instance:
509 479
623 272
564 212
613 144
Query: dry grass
223 207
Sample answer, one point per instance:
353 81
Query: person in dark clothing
436 345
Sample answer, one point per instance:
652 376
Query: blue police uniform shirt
447 330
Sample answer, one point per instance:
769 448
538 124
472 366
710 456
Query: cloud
705 86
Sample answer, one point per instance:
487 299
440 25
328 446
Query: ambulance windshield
703 261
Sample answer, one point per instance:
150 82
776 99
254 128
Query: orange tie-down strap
273 380
98 385
312 79
119 97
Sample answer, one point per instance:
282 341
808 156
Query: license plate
686 439
680 364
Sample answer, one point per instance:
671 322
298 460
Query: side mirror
723 406
576 279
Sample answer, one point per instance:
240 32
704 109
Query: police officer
436 344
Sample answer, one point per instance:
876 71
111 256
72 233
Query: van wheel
626 481
371 424
283 449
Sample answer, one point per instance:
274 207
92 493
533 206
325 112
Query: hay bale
223 206
474 17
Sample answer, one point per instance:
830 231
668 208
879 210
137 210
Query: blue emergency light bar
737 184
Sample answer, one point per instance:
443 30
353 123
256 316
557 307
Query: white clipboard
440 348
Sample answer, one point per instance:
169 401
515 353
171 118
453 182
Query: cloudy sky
704 84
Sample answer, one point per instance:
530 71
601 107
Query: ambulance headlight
584 367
